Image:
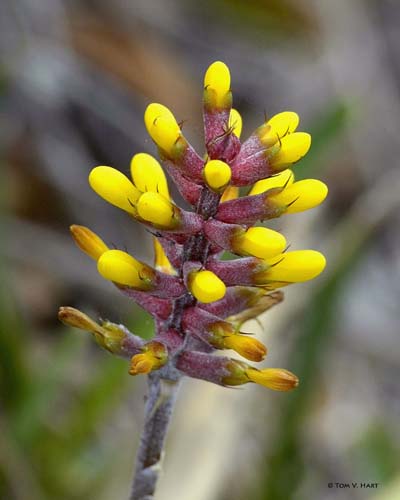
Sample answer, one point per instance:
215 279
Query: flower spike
215 265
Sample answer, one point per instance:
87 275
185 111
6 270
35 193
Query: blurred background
75 77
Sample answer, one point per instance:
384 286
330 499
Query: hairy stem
162 393
160 402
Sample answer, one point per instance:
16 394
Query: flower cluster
198 299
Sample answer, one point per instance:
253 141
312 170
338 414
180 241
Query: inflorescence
198 300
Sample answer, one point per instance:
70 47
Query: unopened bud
217 175
123 269
206 286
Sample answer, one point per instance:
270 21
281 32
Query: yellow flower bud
292 148
284 178
141 364
217 174
88 241
230 193
218 80
206 286
248 347
277 379
235 122
122 268
260 242
148 175
114 187
161 262
162 127
293 267
154 208
300 196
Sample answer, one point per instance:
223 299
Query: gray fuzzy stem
160 402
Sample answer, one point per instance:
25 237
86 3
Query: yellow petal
292 148
114 187
206 286
218 79
235 121
154 208
217 174
248 347
122 268
260 242
277 379
162 126
284 178
88 241
301 195
148 175
230 193
161 262
296 266
284 123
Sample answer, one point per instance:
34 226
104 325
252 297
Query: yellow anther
235 121
248 347
217 174
114 187
122 268
292 148
161 262
88 241
277 379
148 175
206 286
218 80
296 266
162 127
230 193
260 242
154 208
284 178
300 196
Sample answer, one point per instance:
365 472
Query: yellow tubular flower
300 196
114 187
260 242
248 347
122 268
277 127
148 175
162 127
235 121
161 262
292 148
217 174
206 286
230 193
296 266
284 178
218 80
154 208
88 241
277 379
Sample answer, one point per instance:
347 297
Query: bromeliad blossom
199 300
